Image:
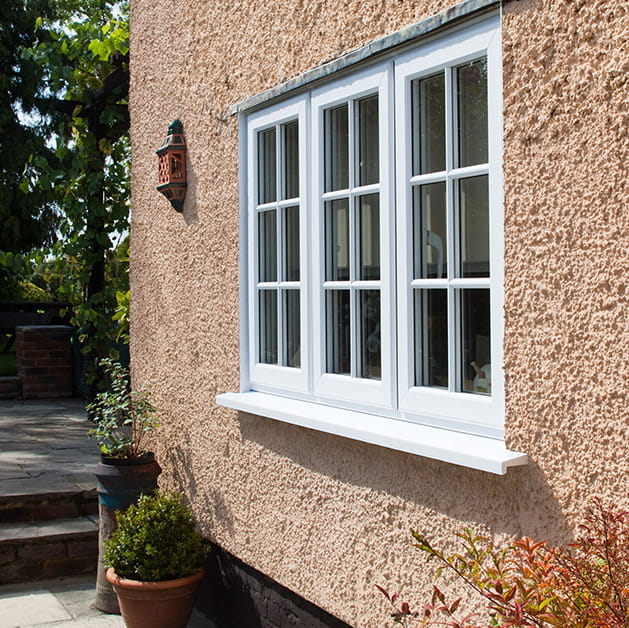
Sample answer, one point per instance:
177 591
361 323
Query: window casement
372 219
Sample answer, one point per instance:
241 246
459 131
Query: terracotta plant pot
166 604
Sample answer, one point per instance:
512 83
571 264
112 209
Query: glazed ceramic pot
166 604
120 483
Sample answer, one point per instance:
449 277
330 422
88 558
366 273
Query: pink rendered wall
329 517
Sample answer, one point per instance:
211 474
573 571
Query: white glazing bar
469 171
429 283
472 282
431 177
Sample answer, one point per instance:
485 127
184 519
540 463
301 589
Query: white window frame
432 406
270 377
461 428
345 390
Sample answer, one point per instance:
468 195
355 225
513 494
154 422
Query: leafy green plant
123 416
528 584
155 540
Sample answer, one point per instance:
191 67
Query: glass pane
474 225
291 244
337 240
292 340
268 326
431 338
472 113
338 331
336 149
369 227
430 241
267 191
429 124
369 303
369 162
267 246
476 341
291 160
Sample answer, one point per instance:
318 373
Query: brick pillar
44 360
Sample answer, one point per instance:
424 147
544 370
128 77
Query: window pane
369 302
292 340
337 240
474 226
338 331
336 149
291 160
268 326
267 191
369 162
267 246
369 226
430 253
472 113
429 124
291 244
431 338
475 341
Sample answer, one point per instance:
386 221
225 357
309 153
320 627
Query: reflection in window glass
267 246
472 113
474 226
336 149
291 244
475 341
338 332
268 326
369 228
369 313
292 339
368 145
291 160
267 191
429 124
430 253
431 338
337 240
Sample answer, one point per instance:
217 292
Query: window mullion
453 318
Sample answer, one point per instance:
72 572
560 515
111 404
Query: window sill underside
468 450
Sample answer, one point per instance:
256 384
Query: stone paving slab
45 447
53 529
63 603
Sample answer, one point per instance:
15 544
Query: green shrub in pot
156 540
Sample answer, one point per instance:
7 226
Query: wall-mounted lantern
173 179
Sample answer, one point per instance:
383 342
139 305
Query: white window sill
468 450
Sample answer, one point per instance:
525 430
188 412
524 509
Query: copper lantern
172 166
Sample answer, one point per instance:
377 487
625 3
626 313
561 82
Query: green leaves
155 540
123 417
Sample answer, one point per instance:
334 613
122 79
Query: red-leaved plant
528 584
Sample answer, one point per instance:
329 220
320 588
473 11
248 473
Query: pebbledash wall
325 516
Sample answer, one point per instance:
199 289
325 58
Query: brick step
10 387
36 550
47 506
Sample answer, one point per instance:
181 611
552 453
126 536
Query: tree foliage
83 96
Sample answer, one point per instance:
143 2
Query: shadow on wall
517 504
210 500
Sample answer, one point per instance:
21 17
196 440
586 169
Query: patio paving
44 449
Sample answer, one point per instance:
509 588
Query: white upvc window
449 231
353 240
372 219
277 239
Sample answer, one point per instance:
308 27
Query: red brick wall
44 361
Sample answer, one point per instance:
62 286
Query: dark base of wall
234 595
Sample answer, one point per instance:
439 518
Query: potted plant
154 558
123 418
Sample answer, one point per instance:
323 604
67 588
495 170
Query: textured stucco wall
329 517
